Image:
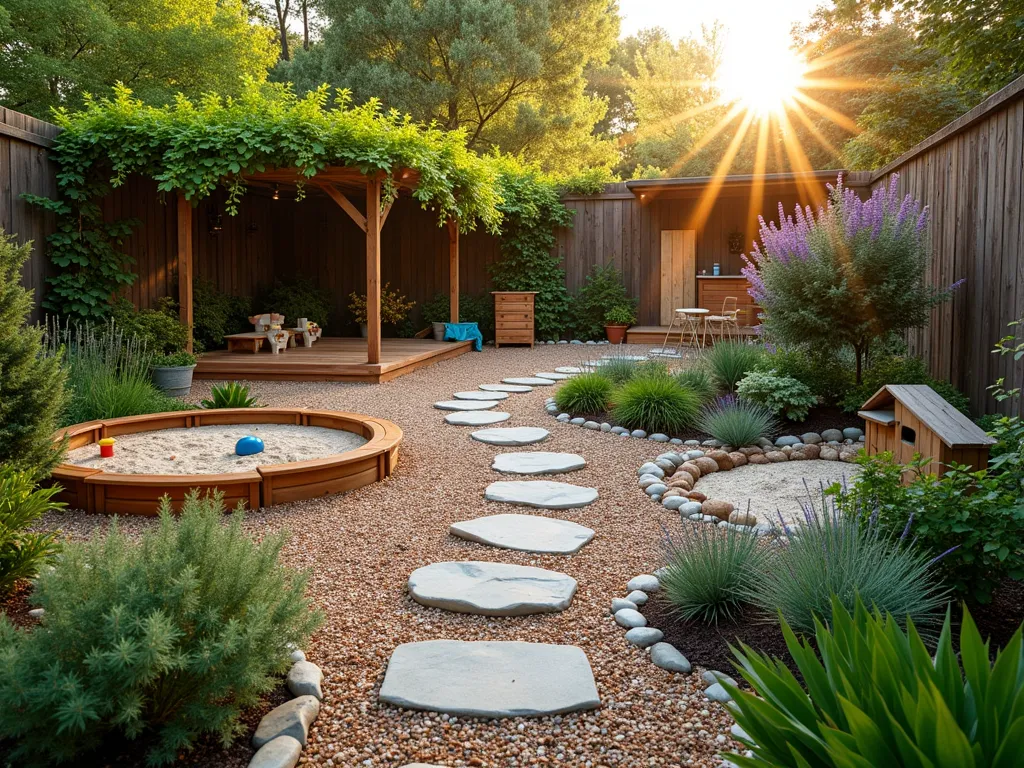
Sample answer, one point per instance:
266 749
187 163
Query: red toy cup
107 448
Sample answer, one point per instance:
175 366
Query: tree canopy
53 52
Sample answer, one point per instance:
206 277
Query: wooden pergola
339 183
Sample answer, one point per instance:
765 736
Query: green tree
32 393
52 52
510 74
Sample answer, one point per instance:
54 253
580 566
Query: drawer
517 317
514 298
514 306
514 336
515 325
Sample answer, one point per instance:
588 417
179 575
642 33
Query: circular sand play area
211 449
776 489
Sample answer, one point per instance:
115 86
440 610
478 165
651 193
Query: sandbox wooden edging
94 490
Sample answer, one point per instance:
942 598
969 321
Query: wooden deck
330 359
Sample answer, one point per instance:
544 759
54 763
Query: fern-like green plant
655 404
587 393
23 552
163 639
877 696
230 395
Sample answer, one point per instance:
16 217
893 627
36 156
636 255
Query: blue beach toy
248 445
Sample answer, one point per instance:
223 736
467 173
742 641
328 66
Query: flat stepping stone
478 395
636 358
513 388
542 494
537 463
568 369
511 435
465 405
553 376
525 533
490 678
529 381
476 418
491 589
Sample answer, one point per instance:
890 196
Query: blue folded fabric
464 332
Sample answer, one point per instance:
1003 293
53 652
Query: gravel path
362 547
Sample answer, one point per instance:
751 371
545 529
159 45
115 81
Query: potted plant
617 321
172 373
394 308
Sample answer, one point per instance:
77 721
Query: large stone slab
514 388
537 462
529 381
511 435
465 405
568 369
525 533
542 494
477 418
476 394
491 589
490 678
552 375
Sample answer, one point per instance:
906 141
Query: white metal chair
727 323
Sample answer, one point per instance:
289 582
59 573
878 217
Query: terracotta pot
616 333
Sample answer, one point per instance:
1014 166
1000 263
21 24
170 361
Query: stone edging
283 732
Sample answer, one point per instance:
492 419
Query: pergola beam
373 225
453 270
185 265
346 205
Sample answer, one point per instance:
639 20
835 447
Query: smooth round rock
491 589
525 533
542 494
637 596
282 752
305 679
666 656
511 435
674 502
691 508
529 381
629 618
621 603
248 446
644 582
853 433
465 405
478 395
510 388
537 463
644 637
476 418
292 718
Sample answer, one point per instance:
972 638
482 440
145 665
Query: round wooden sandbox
135 494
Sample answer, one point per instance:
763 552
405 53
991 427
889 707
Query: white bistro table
691 321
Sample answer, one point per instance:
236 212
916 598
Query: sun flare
763 81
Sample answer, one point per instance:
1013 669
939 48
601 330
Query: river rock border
283 732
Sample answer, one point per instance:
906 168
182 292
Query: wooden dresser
513 317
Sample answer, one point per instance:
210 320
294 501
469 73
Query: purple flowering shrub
851 273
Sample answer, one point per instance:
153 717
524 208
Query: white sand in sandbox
211 450
772 489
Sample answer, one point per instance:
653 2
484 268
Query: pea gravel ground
361 547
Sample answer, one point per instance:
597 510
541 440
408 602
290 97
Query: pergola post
185 265
373 223
453 269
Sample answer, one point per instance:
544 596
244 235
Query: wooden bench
253 340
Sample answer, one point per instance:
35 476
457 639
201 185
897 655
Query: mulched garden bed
15 604
999 619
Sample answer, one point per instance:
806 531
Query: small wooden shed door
678 271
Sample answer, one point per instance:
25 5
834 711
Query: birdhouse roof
932 410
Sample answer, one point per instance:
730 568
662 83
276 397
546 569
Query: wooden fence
25 168
971 176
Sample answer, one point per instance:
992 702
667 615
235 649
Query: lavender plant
850 273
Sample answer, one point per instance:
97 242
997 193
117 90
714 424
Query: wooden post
185 265
373 270
453 269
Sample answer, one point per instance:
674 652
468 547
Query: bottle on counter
716 270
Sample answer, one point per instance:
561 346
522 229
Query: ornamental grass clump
710 572
655 404
854 272
586 393
230 395
699 381
878 696
730 361
162 639
737 422
835 554
618 370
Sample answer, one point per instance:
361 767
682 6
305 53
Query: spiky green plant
618 370
23 552
655 404
230 395
164 639
729 361
737 422
586 393
833 553
710 572
878 696
700 381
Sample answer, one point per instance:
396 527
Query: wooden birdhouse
905 419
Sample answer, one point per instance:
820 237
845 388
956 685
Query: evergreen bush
655 404
900 369
162 639
216 314
32 384
23 552
827 372
159 329
780 394
586 393
299 298
601 292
